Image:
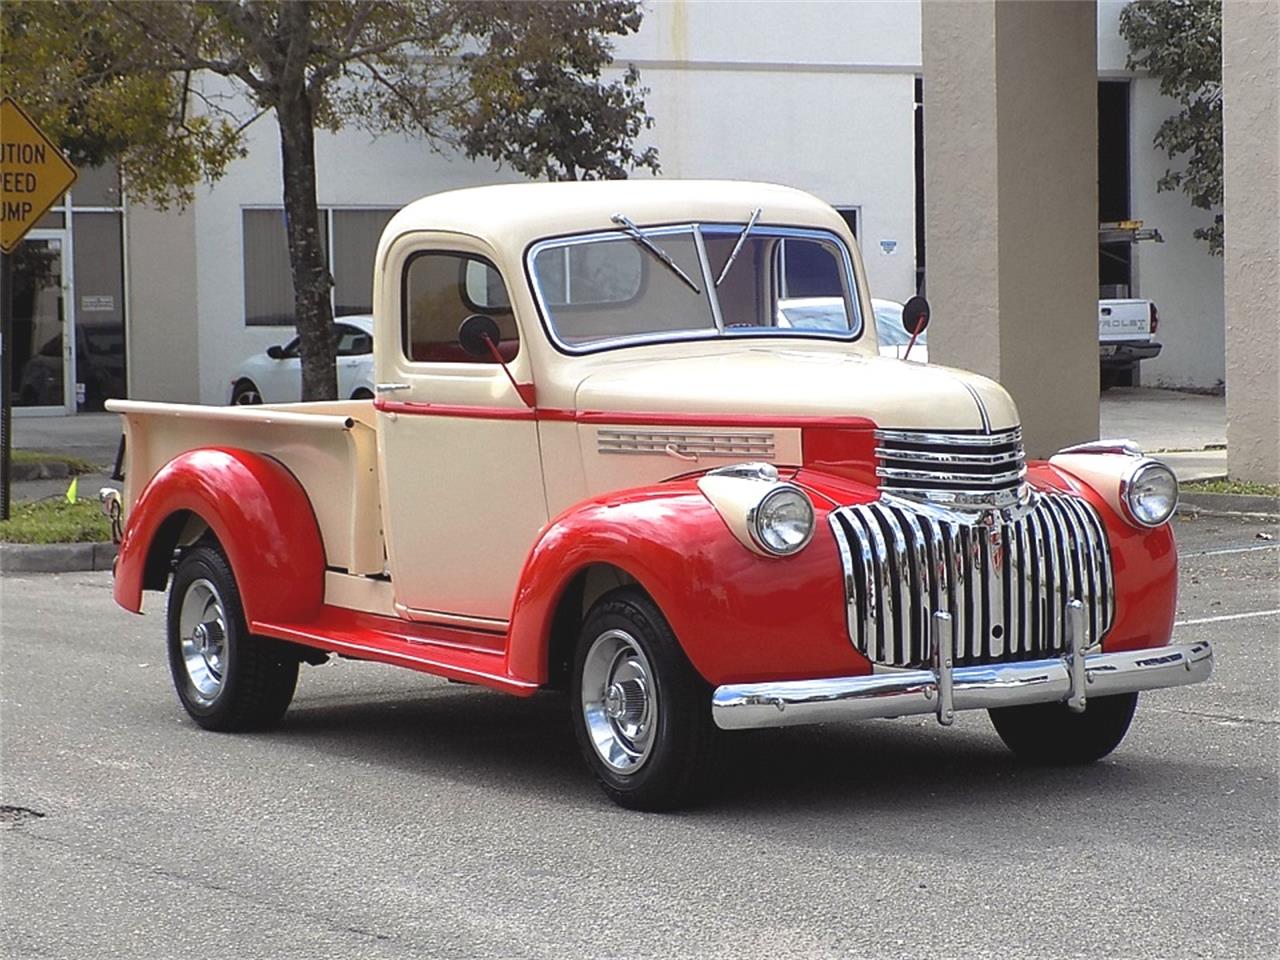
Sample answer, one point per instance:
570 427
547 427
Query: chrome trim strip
740 706
1013 435
982 407
1126 448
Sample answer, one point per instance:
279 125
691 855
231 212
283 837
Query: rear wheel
226 678
642 715
246 394
1052 733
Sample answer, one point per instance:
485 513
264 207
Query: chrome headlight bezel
758 517
1131 488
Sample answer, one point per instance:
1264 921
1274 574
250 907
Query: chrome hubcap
619 701
202 630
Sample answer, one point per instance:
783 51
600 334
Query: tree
517 82
1179 42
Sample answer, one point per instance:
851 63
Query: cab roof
511 216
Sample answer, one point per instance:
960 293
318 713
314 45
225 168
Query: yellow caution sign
33 174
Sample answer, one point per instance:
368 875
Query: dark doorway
1115 260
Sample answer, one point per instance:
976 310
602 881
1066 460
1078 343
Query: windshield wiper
634 232
737 247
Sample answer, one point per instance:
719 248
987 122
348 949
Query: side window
439 291
353 342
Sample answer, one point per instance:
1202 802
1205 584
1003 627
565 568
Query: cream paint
329 447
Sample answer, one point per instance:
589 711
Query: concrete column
1251 217
162 338
1011 194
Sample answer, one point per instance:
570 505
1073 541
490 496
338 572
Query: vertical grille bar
1005 587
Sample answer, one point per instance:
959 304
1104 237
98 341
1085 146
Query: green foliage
89 79
1179 42
154 85
55 521
1245 487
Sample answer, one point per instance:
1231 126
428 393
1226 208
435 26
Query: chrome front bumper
942 690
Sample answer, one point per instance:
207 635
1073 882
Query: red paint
1144 562
848 452
468 656
740 617
261 517
411 409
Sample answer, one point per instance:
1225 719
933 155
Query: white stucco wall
813 94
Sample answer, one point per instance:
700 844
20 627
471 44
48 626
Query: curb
41 470
56 557
1190 501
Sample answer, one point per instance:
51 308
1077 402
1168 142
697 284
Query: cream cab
609 454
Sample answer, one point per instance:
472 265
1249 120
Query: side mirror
275 352
915 315
479 335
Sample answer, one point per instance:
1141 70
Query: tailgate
1124 320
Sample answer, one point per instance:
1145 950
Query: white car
276 376
827 313
893 336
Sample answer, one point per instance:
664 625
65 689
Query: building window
355 243
268 279
350 240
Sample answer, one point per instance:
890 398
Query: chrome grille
1005 585
750 444
959 469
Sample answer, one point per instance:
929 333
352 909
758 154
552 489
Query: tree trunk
311 278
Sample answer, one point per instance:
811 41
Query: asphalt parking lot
393 815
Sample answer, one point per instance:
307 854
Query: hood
797 382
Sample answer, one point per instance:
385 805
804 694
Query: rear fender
260 515
739 616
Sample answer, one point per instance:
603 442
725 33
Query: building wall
1180 275
816 95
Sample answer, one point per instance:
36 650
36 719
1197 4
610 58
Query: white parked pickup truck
1126 337
598 462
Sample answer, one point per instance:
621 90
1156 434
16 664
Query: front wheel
1052 733
246 394
642 715
226 678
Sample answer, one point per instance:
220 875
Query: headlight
782 522
1149 492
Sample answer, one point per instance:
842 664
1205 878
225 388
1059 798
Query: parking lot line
1216 553
1227 616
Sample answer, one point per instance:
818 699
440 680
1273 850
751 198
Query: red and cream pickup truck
596 462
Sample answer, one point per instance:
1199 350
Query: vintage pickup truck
596 462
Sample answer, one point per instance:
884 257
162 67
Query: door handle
390 387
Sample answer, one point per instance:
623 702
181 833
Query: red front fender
740 617
260 515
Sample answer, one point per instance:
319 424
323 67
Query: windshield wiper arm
737 247
634 232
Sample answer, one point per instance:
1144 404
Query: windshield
604 289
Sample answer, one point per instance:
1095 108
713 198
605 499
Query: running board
464 655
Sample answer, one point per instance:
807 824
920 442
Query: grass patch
75 465
1234 486
55 521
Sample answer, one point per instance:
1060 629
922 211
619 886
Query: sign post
33 175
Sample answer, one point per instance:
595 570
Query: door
42 349
354 348
462 474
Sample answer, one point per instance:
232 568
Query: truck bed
331 447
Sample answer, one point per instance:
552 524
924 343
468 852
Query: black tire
246 394
361 394
1051 733
226 678
681 760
